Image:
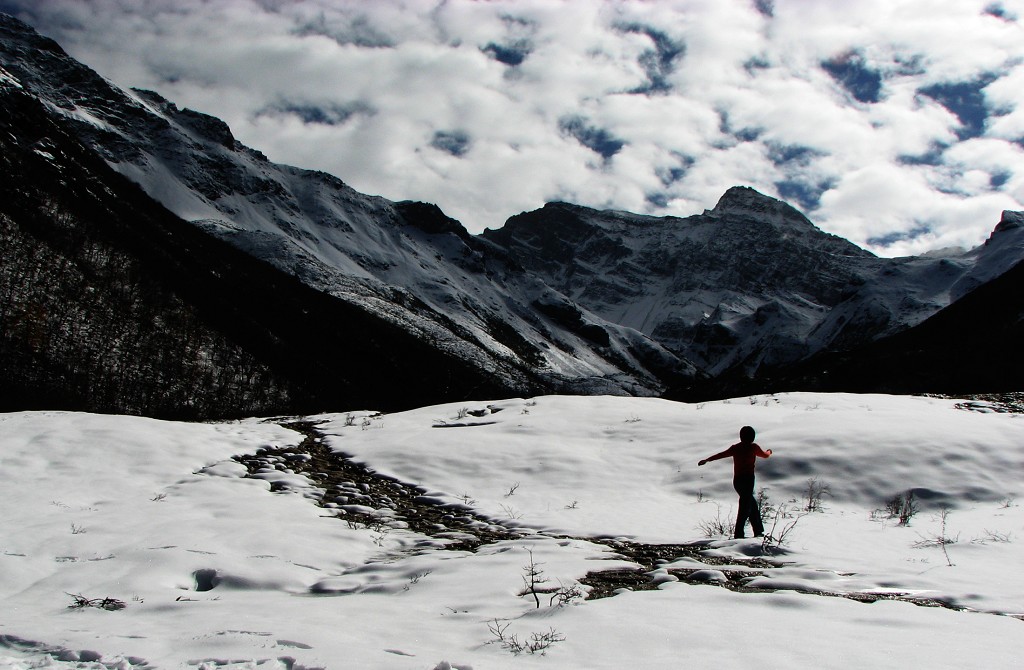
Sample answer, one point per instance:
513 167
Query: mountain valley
153 264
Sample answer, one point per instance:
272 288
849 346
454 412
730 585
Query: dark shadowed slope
108 302
976 345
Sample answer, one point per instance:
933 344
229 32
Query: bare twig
779 534
941 540
716 527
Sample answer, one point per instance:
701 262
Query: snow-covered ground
133 509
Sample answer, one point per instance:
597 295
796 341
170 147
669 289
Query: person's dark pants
744 485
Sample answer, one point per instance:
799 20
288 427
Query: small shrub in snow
76 529
533 579
941 540
717 527
511 512
535 585
783 524
566 595
538 643
814 492
415 579
512 490
764 505
991 536
109 604
381 536
902 507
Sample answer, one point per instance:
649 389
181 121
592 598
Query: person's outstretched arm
720 455
763 453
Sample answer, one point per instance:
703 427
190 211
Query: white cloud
730 90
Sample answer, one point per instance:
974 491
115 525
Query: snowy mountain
403 262
751 282
972 344
564 299
111 303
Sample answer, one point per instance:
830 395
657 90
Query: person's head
746 434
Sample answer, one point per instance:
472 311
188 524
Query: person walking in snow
744 454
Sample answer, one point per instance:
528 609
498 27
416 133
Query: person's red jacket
744 455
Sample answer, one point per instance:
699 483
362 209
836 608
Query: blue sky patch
509 54
806 195
658 200
454 142
852 73
596 139
999 179
931 157
359 32
997 10
765 7
323 115
670 175
966 100
791 154
899 236
658 63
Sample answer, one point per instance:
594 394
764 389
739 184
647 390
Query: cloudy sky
898 124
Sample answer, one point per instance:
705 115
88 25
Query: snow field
132 508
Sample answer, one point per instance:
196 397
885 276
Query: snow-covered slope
217 571
747 283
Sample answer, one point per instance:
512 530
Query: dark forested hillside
110 303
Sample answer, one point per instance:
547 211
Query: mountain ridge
113 304
563 299
711 286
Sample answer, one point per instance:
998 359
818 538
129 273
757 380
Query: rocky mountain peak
1009 221
12 28
749 203
429 218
